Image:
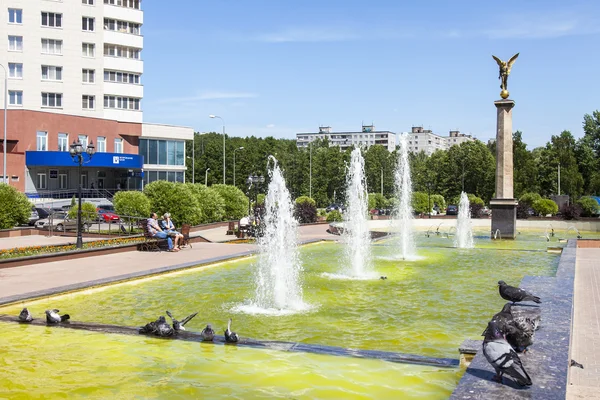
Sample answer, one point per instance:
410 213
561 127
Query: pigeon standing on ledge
207 334
231 337
502 357
515 294
180 325
25 315
52 316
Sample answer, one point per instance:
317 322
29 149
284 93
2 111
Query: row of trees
468 167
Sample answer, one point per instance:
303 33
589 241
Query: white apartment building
367 137
75 74
425 140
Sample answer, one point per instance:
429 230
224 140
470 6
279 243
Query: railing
93 223
70 193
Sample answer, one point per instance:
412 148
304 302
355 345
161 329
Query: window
62 181
101 144
63 142
51 73
118 145
52 46
124 3
87 102
52 100
15 16
87 2
83 139
121 26
15 70
53 20
15 43
88 75
15 97
42 182
162 152
121 51
87 24
42 141
121 77
123 103
88 49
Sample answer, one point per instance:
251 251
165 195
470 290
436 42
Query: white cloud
271 126
310 34
209 95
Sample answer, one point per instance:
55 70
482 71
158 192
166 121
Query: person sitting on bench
157 232
167 226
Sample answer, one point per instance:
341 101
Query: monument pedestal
504 218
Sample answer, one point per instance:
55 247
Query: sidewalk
585 344
40 240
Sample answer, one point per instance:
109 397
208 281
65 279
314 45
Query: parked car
43 212
107 216
33 217
452 210
107 207
60 222
335 206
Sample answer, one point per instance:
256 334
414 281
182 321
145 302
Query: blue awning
100 160
597 198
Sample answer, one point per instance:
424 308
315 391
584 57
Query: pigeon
179 326
150 327
231 337
207 334
522 338
160 327
503 319
515 294
25 315
502 357
383 277
52 316
575 364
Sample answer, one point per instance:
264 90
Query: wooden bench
151 243
185 231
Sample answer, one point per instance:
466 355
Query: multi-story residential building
367 137
420 139
75 74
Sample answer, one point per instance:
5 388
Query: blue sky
278 67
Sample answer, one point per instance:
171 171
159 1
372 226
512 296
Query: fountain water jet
464 233
356 230
403 212
278 286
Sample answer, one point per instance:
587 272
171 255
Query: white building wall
71 60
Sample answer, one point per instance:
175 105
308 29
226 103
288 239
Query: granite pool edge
548 360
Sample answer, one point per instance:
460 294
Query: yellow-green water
425 307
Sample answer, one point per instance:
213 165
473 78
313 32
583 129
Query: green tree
589 206
560 149
131 204
419 202
544 207
305 210
236 202
439 200
334 216
175 198
376 200
210 203
15 208
88 212
591 129
525 167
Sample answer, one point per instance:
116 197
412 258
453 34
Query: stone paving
585 345
39 240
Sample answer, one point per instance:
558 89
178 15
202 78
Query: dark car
452 210
43 212
33 217
334 206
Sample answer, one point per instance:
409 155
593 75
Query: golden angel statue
504 72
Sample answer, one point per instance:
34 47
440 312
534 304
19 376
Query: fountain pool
426 307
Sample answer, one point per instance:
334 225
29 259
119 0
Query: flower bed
39 250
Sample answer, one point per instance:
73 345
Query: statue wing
512 60
499 61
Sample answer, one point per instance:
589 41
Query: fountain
277 277
497 234
572 228
464 233
403 212
356 230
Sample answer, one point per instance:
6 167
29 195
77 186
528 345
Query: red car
107 216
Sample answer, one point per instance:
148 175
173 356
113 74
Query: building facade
367 137
75 74
425 140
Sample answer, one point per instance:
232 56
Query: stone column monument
504 205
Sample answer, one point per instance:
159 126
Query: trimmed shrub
529 198
474 200
131 204
419 202
236 202
322 212
175 198
545 206
15 208
260 199
570 211
305 199
305 210
88 212
588 206
334 216
377 200
439 200
210 202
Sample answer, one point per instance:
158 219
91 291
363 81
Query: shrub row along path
21 281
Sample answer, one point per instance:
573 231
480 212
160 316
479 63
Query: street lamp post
194 159
223 121
239 148
253 180
382 181
4 174
77 152
428 184
206 177
310 171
